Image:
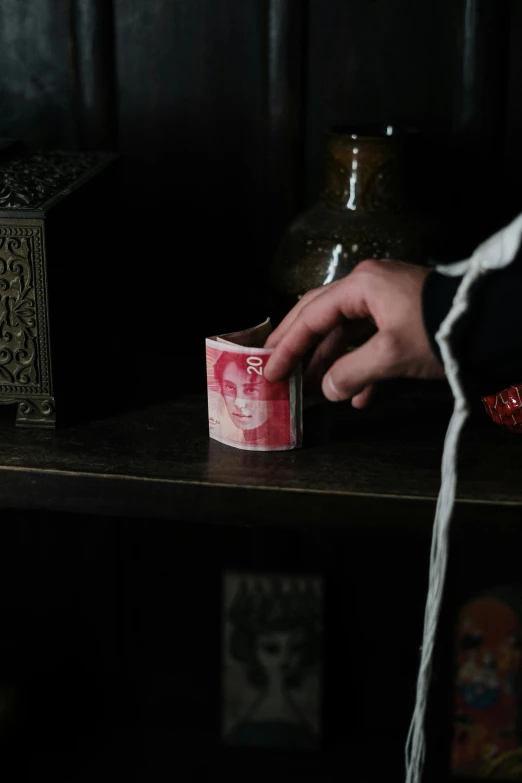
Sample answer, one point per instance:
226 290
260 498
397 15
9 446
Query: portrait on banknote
244 409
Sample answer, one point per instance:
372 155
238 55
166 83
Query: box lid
31 182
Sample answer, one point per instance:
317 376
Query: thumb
373 361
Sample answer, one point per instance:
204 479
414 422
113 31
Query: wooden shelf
355 466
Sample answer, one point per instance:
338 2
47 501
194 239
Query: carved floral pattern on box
28 182
18 332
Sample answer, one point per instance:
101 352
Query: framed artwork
487 697
271 678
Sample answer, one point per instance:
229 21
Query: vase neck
364 174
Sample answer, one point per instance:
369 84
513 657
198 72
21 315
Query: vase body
366 210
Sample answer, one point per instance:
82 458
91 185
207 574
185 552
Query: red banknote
244 409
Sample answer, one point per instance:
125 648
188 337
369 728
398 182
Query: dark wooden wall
450 69
220 109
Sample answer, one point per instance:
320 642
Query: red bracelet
505 408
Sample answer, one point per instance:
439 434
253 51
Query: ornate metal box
52 209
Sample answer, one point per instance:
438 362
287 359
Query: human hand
386 293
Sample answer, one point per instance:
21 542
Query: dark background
219 109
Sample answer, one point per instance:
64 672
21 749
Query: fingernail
333 390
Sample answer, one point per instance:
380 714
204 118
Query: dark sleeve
487 341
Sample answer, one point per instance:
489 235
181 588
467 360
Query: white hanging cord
496 253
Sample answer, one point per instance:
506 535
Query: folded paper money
244 409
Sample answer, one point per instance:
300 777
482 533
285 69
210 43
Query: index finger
316 319
276 336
